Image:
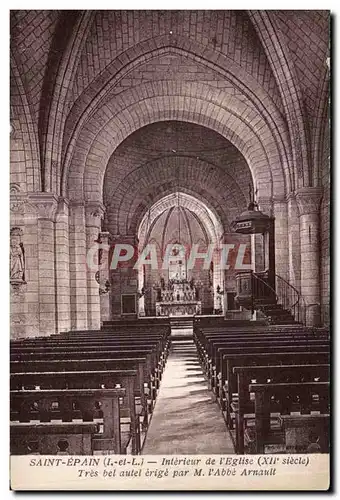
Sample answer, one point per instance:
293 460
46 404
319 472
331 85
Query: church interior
169 231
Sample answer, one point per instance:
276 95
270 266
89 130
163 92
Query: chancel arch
179 224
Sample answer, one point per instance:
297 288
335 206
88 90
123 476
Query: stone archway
180 218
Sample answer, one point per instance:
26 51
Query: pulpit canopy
252 221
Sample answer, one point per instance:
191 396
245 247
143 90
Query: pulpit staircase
283 306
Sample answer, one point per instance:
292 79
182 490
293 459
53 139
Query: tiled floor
186 420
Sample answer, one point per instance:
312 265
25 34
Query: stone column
309 199
280 212
62 265
257 252
266 206
78 275
46 206
294 256
104 277
277 208
94 213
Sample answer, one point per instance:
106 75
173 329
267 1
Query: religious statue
211 275
218 304
100 251
17 257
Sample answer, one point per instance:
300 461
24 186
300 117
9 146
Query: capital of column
309 200
293 211
291 197
63 207
94 212
42 205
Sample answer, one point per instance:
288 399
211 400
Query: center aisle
186 420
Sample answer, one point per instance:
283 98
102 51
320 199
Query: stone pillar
294 256
266 206
280 212
46 206
62 266
309 199
94 213
78 275
277 208
104 277
257 253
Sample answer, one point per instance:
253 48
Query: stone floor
186 420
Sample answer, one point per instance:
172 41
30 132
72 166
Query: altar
188 308
178 298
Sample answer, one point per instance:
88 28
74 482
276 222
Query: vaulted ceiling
93 94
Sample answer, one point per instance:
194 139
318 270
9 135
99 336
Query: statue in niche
211 275
219 304
17 257
100 251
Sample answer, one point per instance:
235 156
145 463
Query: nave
186 419
132 388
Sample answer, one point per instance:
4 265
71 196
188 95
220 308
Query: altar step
181 327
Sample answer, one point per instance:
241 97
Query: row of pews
86 392
271 383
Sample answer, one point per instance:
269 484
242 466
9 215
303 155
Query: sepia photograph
170 207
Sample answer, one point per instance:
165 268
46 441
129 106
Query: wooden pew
206 347
158 360
287 396
108 379
48 437
218 348
52 439
202 340
58 343
211 354
306 433
122 346
152 365
246 375
229 380
62 364
217 373
162 340
154 321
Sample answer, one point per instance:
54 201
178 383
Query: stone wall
325 233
